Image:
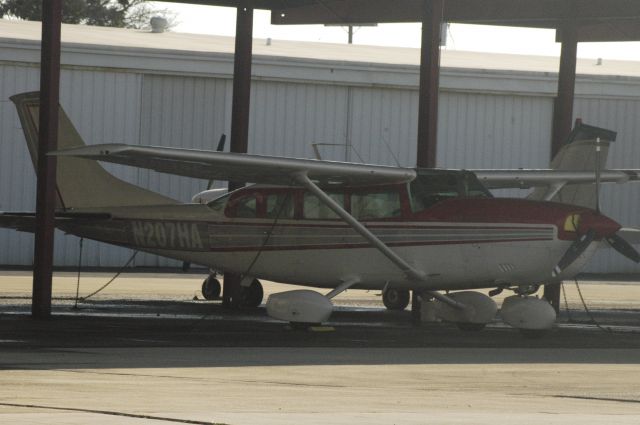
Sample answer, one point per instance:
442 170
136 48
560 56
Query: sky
529 41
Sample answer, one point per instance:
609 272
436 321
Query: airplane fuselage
458 243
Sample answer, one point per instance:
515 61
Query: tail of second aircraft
578 154
80 183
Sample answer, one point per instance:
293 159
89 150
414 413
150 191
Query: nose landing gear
249 296
211 288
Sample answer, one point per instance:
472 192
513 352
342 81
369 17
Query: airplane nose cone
602 225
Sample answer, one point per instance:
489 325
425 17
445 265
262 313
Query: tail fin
80 183
578 154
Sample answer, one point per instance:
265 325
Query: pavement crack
111 413
580 397
245 381
144 375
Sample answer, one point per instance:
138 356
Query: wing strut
411 272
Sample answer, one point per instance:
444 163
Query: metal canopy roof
596 20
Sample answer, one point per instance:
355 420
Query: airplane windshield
433 186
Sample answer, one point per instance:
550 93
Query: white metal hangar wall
151 95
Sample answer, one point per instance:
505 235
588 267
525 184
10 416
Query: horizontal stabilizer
26 221
22 222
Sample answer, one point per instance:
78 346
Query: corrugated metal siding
286 118
493 131
384 125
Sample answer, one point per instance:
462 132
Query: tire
395 299
211 288
251 296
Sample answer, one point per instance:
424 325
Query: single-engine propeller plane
341 225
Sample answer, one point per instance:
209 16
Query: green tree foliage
107 13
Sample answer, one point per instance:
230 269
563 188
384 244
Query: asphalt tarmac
148 349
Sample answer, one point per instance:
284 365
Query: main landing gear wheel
395 299
251 296
211 288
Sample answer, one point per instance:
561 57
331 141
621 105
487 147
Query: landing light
571 223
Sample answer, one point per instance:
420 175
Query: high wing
276 170
22 222
241 167
528 178
630 234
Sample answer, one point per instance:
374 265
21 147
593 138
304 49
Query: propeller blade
223 138
618 243
575 250
220 148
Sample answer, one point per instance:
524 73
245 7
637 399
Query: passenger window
279 205
315 209
375 205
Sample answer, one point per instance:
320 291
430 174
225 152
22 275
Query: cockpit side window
430 188
472 188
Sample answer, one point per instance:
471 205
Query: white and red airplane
345 226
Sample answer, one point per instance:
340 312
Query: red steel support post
46 167
563 118
429 83
240 118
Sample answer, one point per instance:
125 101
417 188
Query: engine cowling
299 306
529 313
479 308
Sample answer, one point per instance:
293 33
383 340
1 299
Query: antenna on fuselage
316 151
393 155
